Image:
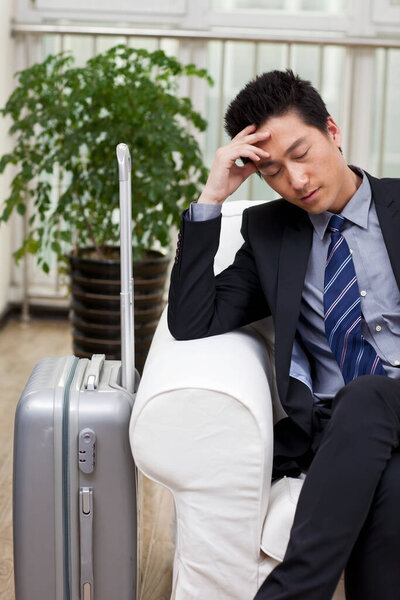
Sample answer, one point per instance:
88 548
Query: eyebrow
296 143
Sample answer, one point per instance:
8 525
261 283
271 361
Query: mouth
310 196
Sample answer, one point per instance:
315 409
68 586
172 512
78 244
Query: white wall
7 64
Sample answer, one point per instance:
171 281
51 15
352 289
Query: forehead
290 125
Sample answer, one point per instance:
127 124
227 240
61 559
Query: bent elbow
178 332
184 329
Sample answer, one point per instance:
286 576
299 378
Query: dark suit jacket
266 278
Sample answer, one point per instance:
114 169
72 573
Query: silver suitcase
74 496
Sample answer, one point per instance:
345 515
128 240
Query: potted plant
68 120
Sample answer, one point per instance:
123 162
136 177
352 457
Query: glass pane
377 127
170 46
81 46
288 6
332 74
231 64
271 57
392 122
239 69
214 105
51 44
102 43
150 44
305 62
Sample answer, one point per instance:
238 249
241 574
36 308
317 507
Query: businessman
324 261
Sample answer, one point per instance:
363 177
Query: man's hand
226 176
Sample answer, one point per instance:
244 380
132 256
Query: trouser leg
338 491
373 569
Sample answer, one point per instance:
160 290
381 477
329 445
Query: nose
298 177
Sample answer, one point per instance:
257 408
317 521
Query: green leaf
32 246
69 119
55 246
65 236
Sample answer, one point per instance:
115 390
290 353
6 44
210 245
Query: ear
334 131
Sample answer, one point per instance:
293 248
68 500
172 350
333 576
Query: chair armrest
236 363
202 427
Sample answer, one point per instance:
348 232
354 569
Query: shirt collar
356 210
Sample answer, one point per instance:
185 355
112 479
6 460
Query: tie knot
336 223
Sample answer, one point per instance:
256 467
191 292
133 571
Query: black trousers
348 514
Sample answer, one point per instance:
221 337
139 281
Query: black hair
273 94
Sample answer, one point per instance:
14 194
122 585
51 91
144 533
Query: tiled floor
22 345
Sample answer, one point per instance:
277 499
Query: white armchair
202 426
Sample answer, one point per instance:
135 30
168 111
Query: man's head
272 95
305 165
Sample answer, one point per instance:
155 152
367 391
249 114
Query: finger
256 137
252 156
251 151
244 132
226 156
248 169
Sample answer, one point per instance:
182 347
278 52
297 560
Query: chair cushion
279 519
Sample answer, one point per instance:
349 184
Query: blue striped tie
342 310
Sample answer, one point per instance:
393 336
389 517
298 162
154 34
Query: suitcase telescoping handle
127 313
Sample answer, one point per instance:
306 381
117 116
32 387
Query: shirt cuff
203 212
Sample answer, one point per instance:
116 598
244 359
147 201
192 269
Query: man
324 261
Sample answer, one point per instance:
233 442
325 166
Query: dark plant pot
95 304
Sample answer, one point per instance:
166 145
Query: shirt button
363 293
397 363
378 328
351 251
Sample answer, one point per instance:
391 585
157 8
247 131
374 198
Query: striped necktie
342 310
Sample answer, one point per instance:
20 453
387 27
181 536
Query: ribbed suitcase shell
54 408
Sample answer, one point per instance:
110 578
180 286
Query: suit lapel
387 204
293 260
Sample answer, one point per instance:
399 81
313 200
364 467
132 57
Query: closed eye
265 174
302 155
273 174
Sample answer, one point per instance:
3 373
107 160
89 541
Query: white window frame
365 17
161 12
156 7
385 14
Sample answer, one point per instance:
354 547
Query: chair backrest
231 238
230 241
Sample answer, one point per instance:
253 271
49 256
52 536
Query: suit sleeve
202 304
